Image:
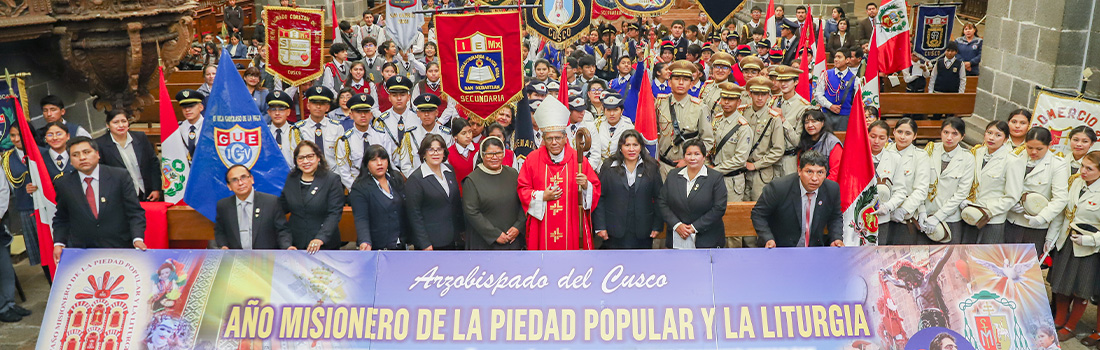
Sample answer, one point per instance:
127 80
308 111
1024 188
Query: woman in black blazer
435 210
626 216
843 40
696 211
378 203
314 197
121 139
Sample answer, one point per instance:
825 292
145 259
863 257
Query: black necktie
318 136
1083 189
60 162
612 131
279 138
365 144
191 136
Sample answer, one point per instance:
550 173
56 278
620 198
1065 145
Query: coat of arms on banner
935 32
402 4
479 63
102 308
559 21
238 145
990 322
294 47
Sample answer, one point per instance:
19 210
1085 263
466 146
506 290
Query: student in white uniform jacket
1041 173
908 189
994 189
1073 275
887 165
951 173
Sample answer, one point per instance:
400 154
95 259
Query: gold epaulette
1019 149
929 148
975 148
1073 177
1060 155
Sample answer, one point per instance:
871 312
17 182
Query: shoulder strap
718 148
761 138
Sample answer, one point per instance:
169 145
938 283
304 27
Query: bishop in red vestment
554 186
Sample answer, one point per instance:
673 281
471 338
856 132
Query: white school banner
1061 113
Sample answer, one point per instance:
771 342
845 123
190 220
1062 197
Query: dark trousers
837 121
7 281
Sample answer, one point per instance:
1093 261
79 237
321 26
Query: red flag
769 24
870 77
857 174
168 121
563 89
645 118
807 39
738 76
335 23
45 204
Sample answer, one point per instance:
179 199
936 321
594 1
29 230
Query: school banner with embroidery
480 61
294 38
561 22
934 25
966 297
1061 112
720 12
609 10
647 8
403 23
7 107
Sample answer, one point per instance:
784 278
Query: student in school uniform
993 191
948 75
1073 276
1039 173
886 169
951 175
908 187
1081 140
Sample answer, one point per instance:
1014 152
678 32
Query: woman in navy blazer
435 211
118 125
314 197
626 216
697 210
378 203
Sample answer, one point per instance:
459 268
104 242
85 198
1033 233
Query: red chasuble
560 228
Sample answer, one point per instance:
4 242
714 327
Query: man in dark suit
83 197
795 210
866 26
264 220
789 42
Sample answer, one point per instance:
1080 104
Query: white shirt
384 191
426 171
287 145
465 151
129 158
95 184
244 219
53 159
349 164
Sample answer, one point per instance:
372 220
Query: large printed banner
934 24
1061 113
294 38
805 298
479 58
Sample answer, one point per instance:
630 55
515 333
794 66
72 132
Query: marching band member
994 190
952 173
1043 178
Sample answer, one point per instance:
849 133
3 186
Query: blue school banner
934 24
980 297
233 132
7 108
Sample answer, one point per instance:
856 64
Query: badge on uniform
191 135
954 70
103 199
314 191
317 132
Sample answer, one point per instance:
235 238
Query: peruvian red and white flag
808 48
871 79
45 202
892 30
769 25
175 163
857 183
816 71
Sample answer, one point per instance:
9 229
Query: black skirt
1072 275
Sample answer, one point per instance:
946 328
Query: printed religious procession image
549 174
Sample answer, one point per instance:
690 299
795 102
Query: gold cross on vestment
556 179
556 208
556 234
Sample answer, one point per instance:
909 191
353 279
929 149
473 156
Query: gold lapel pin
103 199
314 191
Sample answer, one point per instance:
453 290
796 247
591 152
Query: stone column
1031 43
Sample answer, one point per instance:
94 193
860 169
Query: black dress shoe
10 316
21 310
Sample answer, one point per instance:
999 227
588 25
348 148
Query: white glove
965 203
930 224
1082 240
884 209
1047 247
899 215
1035 220
1018 209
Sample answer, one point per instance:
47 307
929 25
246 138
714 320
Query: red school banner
480 60
294 38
